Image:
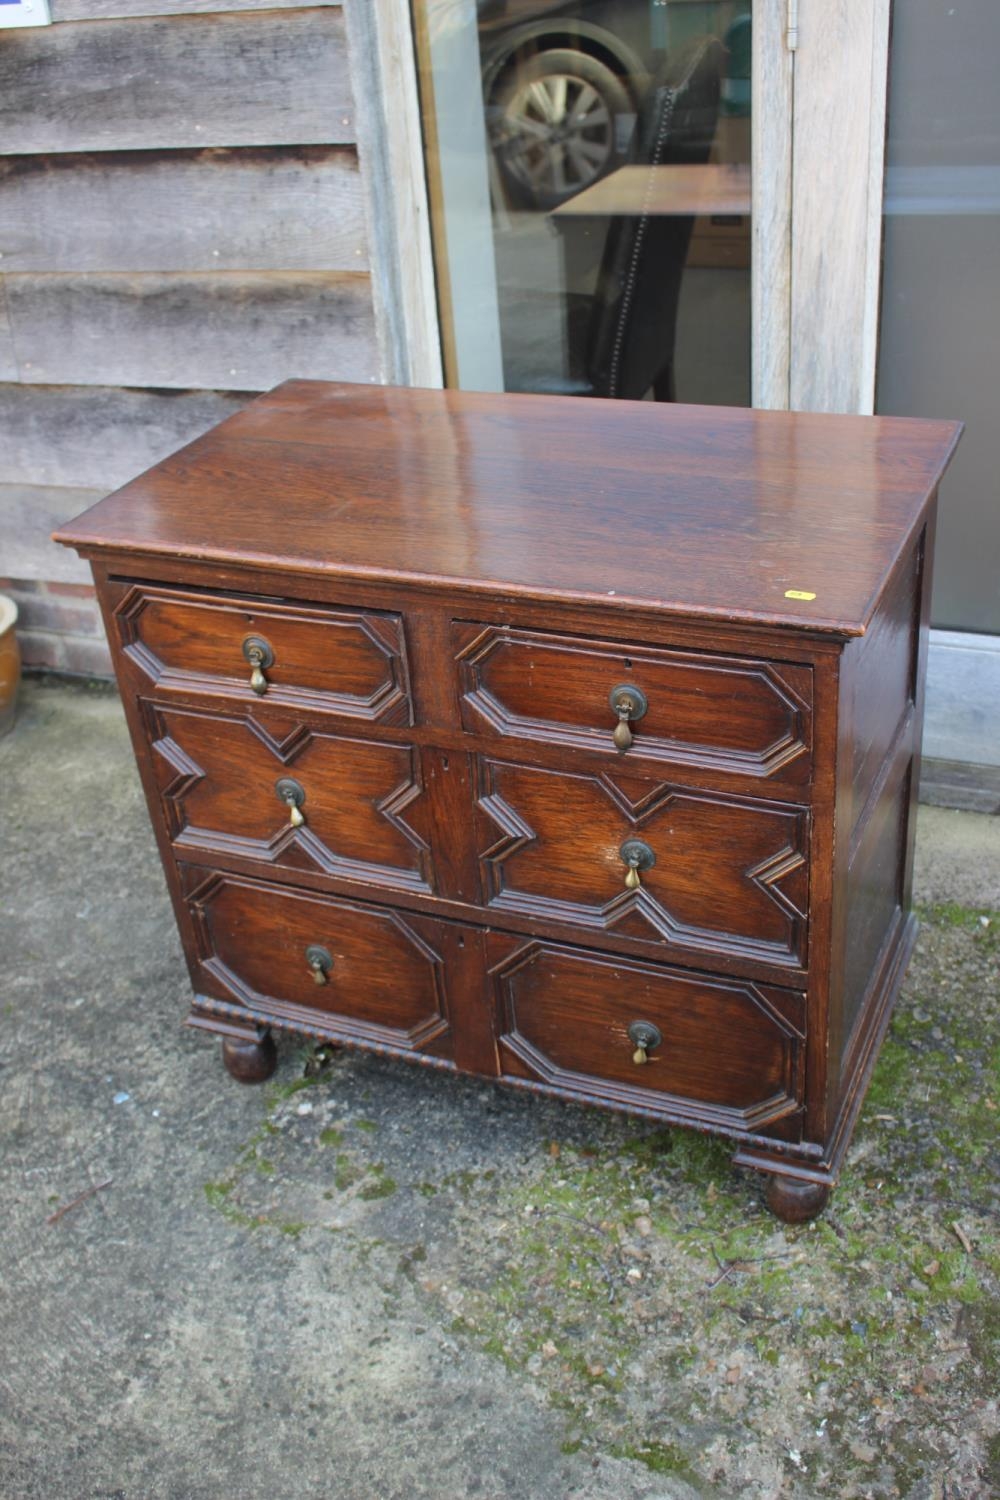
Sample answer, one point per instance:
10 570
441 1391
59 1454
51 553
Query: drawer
738 715
345 661
322 963
708 872
724 1051
304 799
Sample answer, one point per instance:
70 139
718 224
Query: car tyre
554 125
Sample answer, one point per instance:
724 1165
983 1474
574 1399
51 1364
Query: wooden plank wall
182 225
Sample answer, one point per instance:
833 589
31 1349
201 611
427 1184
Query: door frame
814 316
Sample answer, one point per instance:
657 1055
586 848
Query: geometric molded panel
363 812
739 715
345 661
730 873
384 984
731 1053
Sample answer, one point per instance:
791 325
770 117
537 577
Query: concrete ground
368 1281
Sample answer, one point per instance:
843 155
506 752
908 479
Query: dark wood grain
451 586
360 806
730 874
556 690
348 662
727 1047
617 503
386 977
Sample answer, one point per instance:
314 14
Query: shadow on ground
367 1281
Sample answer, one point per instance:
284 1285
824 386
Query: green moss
219 1196
952 914
277 1093
293 1229
991 1469
660 1458
331 1136
382 1187
346 1172
982 1323
368 1125
218 1192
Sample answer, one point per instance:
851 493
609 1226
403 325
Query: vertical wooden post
838 148
771 222
390 147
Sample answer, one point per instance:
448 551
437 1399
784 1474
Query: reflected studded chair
633 316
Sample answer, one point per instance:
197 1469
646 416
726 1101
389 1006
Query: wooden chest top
774 518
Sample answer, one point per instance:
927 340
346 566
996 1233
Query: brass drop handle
320 963
644 1036
636 856
259 654
292 794
629 703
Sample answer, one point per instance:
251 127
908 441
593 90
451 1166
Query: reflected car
563 79
561 85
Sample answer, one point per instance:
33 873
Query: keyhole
628 664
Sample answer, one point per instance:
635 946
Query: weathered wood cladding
104 10
99 436
182 224
252 209
31 513
254 78
8 362
249 331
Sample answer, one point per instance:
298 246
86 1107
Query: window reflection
589 171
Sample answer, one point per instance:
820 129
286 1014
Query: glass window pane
589 173
939 352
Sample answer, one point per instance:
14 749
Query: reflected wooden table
702 191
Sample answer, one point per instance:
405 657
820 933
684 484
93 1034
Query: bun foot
248 1061
794 1201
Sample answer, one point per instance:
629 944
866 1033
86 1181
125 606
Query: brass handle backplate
644 1036
320 963
636 856
292 794
260 655
629 703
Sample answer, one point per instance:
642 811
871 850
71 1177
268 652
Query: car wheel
554 129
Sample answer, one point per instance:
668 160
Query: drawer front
730 875
725 1051
345 661
365 971
297 799
727 714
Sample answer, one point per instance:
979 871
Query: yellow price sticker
798 594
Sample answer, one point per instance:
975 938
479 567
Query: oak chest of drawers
569 743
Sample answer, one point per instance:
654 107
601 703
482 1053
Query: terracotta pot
10 663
